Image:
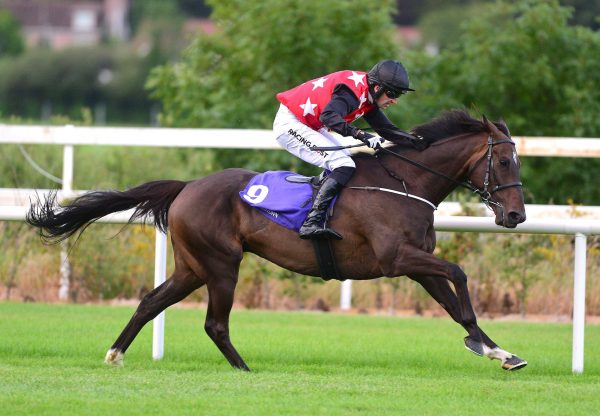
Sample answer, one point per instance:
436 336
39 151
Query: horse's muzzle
511 220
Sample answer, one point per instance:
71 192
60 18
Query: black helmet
389 75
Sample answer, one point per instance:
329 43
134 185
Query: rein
484 194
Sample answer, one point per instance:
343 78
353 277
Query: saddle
285 198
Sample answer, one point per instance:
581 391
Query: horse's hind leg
440 290
177 287
220 292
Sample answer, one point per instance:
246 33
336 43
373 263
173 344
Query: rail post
160 275
346 295
579 301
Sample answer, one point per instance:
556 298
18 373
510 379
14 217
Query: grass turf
303 364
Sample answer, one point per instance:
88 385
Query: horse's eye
504 162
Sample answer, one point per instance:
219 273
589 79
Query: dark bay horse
385 234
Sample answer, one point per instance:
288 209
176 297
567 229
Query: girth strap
326 259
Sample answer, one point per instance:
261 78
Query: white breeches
298 139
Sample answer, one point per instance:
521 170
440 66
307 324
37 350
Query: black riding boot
313 226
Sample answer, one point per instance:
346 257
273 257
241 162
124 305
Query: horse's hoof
114 357
514 363
476 347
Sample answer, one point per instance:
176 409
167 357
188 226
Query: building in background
61 23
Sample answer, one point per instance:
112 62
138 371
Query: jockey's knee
343 174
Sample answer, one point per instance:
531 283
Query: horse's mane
453 123
447 124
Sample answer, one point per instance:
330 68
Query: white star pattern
319 83
308 107
363 99
357 78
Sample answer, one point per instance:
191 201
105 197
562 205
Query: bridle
485 194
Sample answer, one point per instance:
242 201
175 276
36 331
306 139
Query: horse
386 230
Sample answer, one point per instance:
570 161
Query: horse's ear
503 127
488 124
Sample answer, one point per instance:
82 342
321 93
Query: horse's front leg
421 265
441 292
412 261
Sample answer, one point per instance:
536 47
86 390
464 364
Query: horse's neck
451 157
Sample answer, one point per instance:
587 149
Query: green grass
303 364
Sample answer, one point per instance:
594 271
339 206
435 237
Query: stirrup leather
313 226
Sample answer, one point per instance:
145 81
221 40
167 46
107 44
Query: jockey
311 110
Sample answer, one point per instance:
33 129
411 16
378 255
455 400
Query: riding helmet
389 75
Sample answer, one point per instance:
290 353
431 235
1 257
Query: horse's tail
57 222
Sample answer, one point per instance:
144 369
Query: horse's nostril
516 217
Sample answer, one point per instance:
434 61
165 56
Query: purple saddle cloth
286 203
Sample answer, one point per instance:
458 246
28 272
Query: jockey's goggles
394 94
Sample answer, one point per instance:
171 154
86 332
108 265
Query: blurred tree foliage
442 26
164 10
69 80
521 61
102 167
230 79
157 28
11 40
585 12
197 8
112 261
440 21
524 63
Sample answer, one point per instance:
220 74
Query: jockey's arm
386 129
343 102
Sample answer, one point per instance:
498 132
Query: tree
230 79
523 62
585 12
442 26
11 40
155 10
440 21
196 8
520 61
71 79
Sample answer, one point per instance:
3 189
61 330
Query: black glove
419 143
369 139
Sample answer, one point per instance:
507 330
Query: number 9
256 194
